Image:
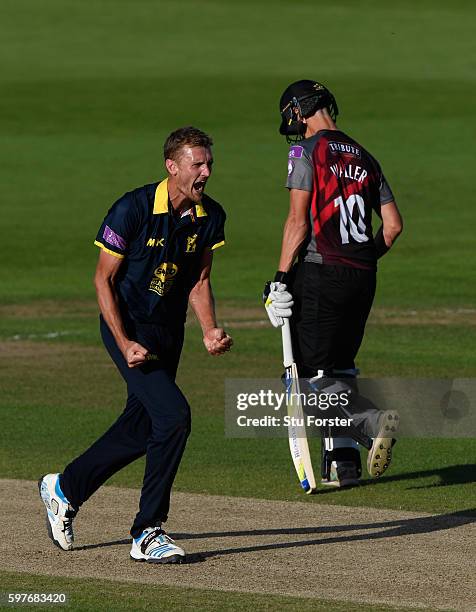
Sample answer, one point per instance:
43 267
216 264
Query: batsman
326 276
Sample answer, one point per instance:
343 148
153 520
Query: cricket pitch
361 555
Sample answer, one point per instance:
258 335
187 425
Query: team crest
191 244
164 277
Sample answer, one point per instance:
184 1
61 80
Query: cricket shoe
342 474
59 512
155 546
380 453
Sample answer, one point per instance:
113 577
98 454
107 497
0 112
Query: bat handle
288 358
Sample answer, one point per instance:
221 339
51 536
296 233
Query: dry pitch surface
301 549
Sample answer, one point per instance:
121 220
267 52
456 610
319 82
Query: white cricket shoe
380 454
155 546
59 512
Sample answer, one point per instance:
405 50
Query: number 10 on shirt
298 444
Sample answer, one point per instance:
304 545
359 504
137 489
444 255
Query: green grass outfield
66 390
105 595
89 92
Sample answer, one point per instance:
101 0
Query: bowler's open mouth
199 186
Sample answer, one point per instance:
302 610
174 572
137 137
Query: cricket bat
297 435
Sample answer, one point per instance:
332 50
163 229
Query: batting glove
278 303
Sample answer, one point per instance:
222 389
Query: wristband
380 246
281 277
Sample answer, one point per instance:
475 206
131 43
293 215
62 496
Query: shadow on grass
387 529
122 542
392 529
451 475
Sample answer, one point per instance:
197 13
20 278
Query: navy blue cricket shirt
161 253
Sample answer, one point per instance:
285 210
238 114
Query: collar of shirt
161 204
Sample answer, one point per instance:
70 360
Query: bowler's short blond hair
185 137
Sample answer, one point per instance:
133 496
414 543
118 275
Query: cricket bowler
334 185
156 251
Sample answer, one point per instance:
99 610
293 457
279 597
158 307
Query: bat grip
288 358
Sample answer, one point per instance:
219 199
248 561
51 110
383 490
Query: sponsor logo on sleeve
164 277
296 152
111 237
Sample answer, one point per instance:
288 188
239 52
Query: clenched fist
135 354
217 341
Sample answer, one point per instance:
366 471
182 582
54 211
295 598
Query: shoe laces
155 533
158 531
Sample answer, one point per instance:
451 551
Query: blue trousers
155 422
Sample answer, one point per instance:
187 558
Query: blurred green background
91 89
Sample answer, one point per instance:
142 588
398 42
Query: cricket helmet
303 98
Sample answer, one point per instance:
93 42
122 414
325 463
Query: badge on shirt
191 244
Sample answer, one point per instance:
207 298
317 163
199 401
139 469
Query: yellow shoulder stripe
218 245
100 244
161 200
